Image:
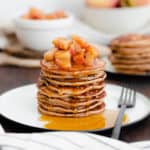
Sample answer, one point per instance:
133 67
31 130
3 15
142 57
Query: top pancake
131 40
75 70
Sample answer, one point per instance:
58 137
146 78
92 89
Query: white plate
63 141
110 69
20 105
144 145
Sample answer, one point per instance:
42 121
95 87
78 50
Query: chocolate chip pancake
131 54
71 84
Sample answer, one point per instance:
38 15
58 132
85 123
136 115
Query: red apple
103 3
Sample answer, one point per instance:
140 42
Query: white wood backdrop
11 8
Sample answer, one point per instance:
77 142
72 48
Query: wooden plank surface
11 77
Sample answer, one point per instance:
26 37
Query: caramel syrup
93 122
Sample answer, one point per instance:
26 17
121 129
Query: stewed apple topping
37 14
67 53
71 82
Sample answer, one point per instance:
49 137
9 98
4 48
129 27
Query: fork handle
118 123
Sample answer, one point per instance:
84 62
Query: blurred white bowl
38 34
117 20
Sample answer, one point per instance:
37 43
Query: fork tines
127 97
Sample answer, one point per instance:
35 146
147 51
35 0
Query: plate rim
44 129
140 144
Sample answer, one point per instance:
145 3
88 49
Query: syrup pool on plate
93 122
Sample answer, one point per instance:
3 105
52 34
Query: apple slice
93 50
78 58
75 48
62 43
35 13
90 55
49 56
89 59
80 41
63 59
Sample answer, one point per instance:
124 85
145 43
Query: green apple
132 3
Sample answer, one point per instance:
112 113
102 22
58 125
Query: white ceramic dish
117 20
62 141
20 105
17 7
144 145
38 34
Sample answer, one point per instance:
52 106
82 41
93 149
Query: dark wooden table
11 77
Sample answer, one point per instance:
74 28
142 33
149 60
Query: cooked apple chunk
49 56
75 48
74 52
80 41
93 50
63 59
36 13
90 55
78 58
62 43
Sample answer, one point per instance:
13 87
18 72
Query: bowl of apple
37 28
117 16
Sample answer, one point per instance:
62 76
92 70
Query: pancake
74 83
87 94
76 70
131 51
138 67
74 91
131 41
97 110
131 54
73 88
124 61
70 77
78 109
133 71
70 103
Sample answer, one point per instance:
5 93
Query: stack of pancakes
131 54
77 92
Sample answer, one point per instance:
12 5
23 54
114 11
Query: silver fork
127 100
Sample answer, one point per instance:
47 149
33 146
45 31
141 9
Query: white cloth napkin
61 141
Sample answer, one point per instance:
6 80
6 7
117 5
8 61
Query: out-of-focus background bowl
117 20
19 7
38 34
